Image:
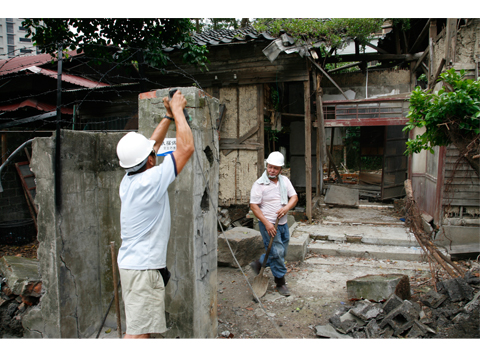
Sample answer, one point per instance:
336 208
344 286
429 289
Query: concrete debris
246 244
457 289
327 331
379 287
434 299
396 317
343 196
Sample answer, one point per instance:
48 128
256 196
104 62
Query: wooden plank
328 77
420 60
437 73
321 146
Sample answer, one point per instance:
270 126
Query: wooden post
433 34
321 148
261 130
115 289
4 147
450 40
308 146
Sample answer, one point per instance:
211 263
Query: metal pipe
10 157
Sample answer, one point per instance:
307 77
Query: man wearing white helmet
145 219
271 197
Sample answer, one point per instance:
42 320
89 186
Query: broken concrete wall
238 168
74 242
378 82
191 295
467 48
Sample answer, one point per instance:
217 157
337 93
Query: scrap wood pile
424 239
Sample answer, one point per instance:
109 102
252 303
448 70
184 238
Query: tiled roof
225 36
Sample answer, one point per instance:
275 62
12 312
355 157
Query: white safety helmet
276 159
133 148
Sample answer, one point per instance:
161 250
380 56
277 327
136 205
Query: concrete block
433 299
372 330
343 327
297 247
350 316
343 196
328 331
246 244
365 310
457 289
379 287
22 275
392 303
417 330
402 318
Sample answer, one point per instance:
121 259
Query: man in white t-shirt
271 197
145 219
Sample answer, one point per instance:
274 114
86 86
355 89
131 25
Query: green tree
451 116
334 32
131 39
207 24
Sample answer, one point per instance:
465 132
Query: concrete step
366 251
367 234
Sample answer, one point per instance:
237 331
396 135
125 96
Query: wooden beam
308 146
380 50
261 130
432 35
328 77
420 37
344 67
450 40
372 57
419 61
437 73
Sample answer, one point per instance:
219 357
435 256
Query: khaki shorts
144 297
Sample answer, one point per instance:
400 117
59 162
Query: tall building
12 39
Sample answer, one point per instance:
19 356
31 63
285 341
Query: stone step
367 234
361 250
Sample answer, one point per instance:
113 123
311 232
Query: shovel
260 283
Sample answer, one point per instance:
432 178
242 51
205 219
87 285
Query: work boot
256 266
283 290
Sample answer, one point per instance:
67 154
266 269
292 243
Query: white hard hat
276 159
133 148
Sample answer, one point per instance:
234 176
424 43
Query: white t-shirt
267 197
145 217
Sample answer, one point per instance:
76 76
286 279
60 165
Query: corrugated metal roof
73 79
35 104
20 63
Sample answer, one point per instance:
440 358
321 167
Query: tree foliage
451 116
334 32
129 37
206 24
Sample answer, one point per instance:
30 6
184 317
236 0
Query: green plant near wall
450 116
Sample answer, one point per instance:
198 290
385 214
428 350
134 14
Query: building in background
12 39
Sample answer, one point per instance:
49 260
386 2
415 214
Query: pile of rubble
451 311
19 289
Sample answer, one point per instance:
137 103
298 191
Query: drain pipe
10 157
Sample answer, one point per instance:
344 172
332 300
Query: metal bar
10 158
58 197
27 120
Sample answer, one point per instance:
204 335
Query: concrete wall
191 301
74 251
378 82
238 169
74 243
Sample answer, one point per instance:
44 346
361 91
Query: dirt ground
310 305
